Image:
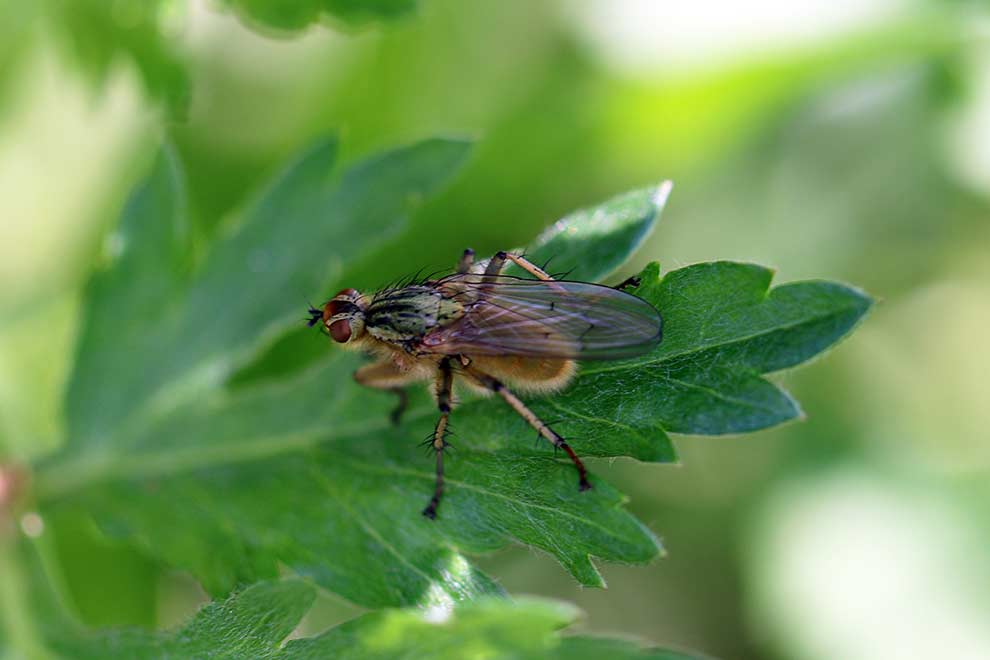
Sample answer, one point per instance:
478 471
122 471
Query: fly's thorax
407 314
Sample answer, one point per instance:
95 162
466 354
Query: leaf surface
305 471
257 622
155 328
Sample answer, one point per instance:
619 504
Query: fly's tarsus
400 408
445 382
628 283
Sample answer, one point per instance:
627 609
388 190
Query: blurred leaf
15 35
257 621
305 470
107 582
486 628
594 648
250 624
99 33
298 14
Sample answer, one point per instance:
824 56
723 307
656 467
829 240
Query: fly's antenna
315 316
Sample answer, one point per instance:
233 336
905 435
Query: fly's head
342 316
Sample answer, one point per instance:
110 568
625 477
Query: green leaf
486 628
592 243
480 629
257 622
298 14
305 471
250 624
723 327
98 33
167 334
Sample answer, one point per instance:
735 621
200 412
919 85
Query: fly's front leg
445 380
523 411
387 376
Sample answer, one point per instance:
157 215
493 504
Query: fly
491 332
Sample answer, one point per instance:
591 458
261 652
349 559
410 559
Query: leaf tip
661 194
586 573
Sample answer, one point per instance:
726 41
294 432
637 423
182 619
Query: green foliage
98 34
167 333
256 622
297 14
305 470
250 624
724 327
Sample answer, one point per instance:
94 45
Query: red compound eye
340 330
340 302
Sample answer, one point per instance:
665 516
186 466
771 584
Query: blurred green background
834 139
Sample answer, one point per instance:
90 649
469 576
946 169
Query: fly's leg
494 267
466 261
523 411
400 408
528 266
497 263
445 380
385 375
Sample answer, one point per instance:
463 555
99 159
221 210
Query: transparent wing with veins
533 318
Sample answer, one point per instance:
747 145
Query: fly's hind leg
523 411
445 380
497 263
385 375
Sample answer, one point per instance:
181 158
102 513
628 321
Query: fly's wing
533 318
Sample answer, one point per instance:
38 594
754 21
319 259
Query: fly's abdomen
407 314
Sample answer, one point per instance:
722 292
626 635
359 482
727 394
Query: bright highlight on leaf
306 472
